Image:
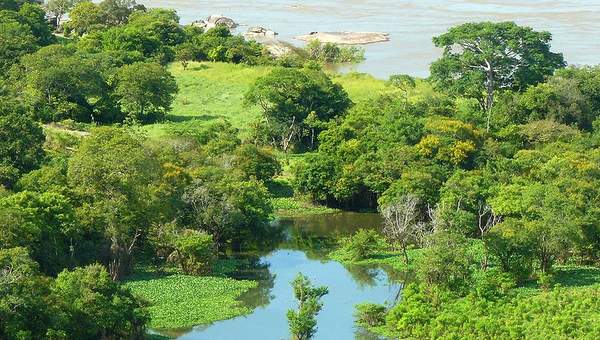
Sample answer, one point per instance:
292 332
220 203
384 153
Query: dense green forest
138 155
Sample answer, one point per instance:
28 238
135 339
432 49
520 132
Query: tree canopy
21 144
295 103
480 59
145 91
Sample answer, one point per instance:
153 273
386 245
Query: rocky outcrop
346 38
214 20
258 33
278 48
267 38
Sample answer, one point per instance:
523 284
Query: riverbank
287 207
382 257
252 289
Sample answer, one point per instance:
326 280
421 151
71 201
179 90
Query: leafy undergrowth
570 310
577 276
559 314
567 277
183 301
297 207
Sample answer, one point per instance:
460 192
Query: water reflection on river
306 242
575 24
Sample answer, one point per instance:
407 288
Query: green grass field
211 91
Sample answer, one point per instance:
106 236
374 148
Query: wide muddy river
575 24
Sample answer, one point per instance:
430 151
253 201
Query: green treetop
481 58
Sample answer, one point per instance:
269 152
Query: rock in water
346 38
214 20
278 48
222 20
258 32
267 38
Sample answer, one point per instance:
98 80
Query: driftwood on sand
346 38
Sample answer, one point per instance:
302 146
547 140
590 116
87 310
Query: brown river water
575 24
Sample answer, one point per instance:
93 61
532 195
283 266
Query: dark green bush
363 244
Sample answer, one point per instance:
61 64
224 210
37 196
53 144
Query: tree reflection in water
302 244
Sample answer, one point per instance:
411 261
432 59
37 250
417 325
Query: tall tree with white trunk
480 59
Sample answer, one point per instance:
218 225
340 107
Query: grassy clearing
183 301
360 86
210 91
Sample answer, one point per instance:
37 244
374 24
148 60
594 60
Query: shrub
491 284
360 246
545 280
95 307
194 252
370 314
447 264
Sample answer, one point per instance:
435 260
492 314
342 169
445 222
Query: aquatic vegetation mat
181 301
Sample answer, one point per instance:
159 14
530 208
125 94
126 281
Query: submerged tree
231 210
194 251
303 323
481 58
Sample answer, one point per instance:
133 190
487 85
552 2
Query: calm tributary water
575 24
303 251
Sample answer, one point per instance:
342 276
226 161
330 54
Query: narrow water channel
303 250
